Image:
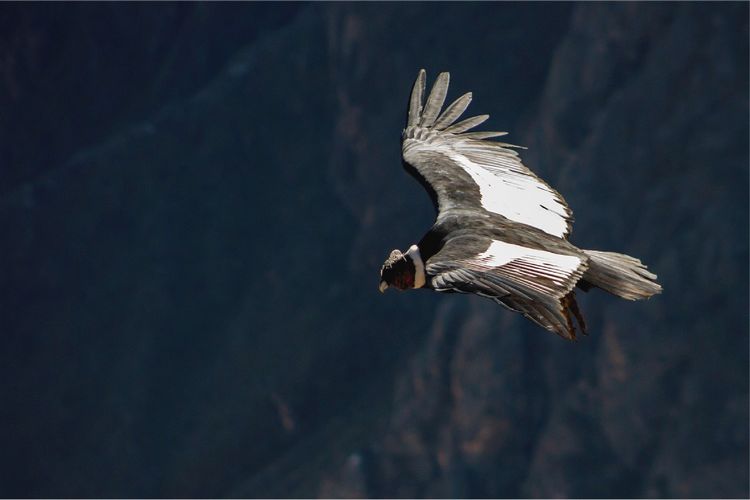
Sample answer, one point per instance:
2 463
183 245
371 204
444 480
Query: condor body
500 232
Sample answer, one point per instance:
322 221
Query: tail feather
620 275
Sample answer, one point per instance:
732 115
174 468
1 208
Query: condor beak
383 286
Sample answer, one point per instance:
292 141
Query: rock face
190 305
73 75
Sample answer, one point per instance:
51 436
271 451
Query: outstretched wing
536 283
463 170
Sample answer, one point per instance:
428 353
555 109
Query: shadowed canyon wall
196 200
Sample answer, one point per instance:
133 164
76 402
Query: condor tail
620 275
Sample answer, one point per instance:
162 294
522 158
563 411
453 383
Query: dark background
195 201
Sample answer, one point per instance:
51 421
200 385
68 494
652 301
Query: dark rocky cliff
189 302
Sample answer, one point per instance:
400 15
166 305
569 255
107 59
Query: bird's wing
536 283
464 170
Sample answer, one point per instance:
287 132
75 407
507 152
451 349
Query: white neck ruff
416 257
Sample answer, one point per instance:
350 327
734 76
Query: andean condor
501 232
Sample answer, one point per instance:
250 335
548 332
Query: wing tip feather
416 98
453 112
435 100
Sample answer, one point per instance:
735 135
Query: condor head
403 270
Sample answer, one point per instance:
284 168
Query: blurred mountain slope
642 124
190 306
71 75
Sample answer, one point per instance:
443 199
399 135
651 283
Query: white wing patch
527 265
506 186
509 191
